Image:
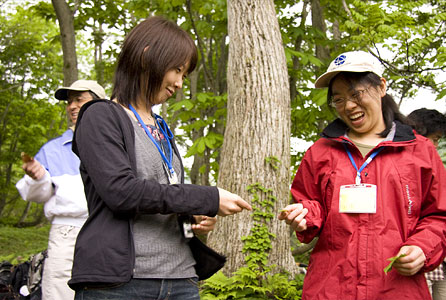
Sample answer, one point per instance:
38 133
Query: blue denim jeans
145 289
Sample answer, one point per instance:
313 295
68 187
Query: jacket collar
337 129
67 137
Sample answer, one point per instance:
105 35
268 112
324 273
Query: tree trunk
322 52
65 18
98 34
258 128
318 22
25 213
297 47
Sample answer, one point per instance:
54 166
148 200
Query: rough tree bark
65 17
258 127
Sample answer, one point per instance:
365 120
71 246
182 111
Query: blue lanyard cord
368 160
163 127
167 134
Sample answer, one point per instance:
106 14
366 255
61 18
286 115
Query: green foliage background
30 70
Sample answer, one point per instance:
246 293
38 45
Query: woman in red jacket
370 189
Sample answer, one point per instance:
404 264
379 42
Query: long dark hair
389 108
152 48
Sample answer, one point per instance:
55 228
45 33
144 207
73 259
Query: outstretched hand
412 262
231 203
294 215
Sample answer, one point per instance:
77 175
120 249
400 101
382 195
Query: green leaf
201 146
441 94
319 97
392 260
202 97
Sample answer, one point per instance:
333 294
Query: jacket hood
337 129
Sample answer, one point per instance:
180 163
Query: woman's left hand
203 224
411 263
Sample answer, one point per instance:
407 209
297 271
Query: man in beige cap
52 177
80 92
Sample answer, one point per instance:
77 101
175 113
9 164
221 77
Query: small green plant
255 280
273 161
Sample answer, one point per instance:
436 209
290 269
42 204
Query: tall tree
256 147
65 17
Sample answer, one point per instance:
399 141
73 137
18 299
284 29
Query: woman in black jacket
137 242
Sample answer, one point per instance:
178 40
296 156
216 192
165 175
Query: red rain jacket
352 251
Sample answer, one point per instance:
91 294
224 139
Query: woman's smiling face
360 107
172 81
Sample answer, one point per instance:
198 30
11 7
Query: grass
17 244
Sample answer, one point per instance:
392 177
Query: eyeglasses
338 102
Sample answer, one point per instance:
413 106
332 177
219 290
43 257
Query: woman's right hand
231 203
294 215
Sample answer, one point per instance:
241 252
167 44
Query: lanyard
168 135
368 160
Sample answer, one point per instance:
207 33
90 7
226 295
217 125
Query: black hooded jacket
104 140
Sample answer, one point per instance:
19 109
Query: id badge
173 178
187 230
185 223
357 198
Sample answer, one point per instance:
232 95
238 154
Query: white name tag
173 178
357 198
